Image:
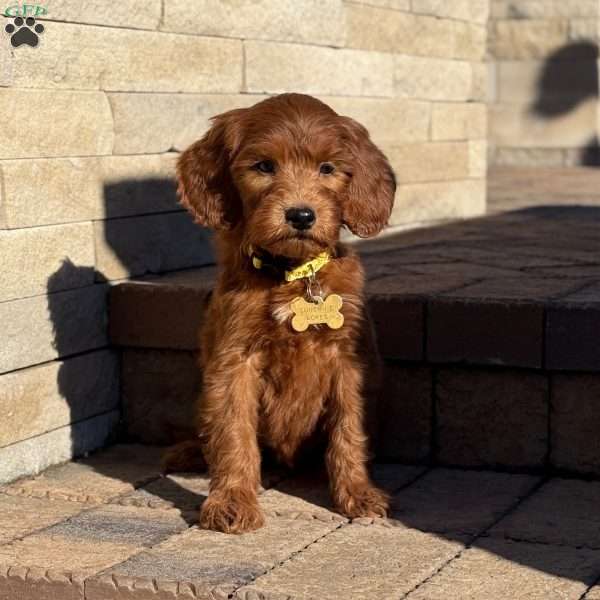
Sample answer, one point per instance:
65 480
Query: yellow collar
308 268
304 270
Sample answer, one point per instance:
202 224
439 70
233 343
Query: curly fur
266 385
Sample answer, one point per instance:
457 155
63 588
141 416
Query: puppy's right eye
326 168
265 166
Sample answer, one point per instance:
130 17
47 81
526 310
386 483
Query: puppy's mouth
303 234
297 244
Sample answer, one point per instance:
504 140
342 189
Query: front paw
362 501
232 511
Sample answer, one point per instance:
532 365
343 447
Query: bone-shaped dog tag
313 313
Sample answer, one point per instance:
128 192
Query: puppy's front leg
353 493
230 418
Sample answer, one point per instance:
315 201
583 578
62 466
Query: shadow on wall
145 233
569 78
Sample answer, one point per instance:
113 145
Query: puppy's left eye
265 166
326 168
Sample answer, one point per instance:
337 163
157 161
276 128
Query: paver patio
452 534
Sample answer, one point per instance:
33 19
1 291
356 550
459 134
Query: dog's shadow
283 492
144 232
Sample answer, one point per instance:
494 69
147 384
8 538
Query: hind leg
184 457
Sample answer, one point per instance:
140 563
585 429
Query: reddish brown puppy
277 182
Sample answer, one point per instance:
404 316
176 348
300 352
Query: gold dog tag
313 313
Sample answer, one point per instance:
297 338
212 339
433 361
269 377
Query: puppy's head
289 172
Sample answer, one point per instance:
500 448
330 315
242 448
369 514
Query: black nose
300 218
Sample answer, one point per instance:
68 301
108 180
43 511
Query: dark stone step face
167 313
502 418
465 382
490 331
162 312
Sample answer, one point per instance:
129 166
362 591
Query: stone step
489 329
110 527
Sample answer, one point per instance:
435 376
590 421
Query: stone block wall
544 82
93 119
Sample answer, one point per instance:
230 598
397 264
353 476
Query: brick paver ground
452 534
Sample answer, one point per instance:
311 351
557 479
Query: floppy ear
370 194
206 187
